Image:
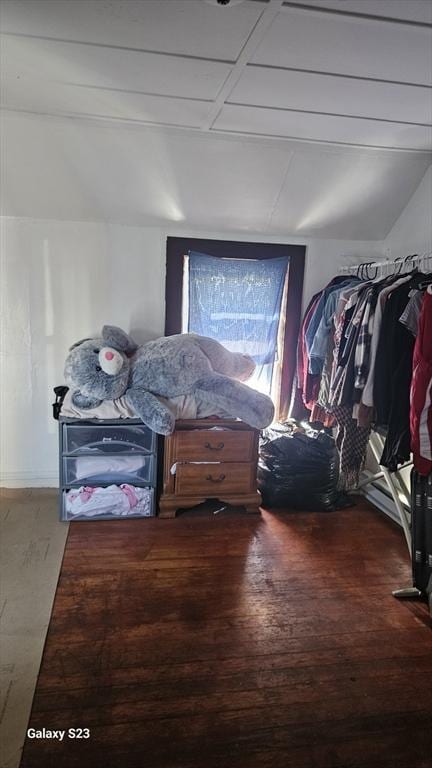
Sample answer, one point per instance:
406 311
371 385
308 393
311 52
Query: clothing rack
394 482
385 267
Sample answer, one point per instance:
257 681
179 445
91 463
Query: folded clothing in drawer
115 500
88 466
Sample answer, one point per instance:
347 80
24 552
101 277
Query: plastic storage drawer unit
98 454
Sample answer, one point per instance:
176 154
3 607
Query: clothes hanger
411 258
365 270
400 262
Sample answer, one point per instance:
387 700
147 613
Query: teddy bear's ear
118 339
82 401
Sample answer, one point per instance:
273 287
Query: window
238 302
243 257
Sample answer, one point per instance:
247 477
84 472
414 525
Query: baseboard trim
28 480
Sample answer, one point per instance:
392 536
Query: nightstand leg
167 510
167 513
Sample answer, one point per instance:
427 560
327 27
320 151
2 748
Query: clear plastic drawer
105 438
108 504
109 469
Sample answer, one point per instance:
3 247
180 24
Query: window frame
178 247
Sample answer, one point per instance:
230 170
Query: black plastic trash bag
298 469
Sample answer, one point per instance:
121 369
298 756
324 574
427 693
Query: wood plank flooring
235 641
32 542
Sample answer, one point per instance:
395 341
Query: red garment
302 358
421 392
310 382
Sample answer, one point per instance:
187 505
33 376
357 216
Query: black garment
421 531
347 349
393 373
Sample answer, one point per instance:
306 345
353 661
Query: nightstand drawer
214 480
214 445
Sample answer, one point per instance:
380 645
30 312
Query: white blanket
183 407
87 467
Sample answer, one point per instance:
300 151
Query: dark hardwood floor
235 641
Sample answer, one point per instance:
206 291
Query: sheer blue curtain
238 302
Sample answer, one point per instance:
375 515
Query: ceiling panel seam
324 73
328 114
100 118
279 193
279 136
288 4
241 104
109 88
253 41
210 59
219 133
114 47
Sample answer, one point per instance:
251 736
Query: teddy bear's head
98 369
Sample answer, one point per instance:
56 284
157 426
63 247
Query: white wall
61 281
412 232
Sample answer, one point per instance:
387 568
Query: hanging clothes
299 404
393 374
366 411
411 315
354 365
421 533
317 335
421 391
315 319
351 442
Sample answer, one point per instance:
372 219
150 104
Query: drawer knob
217 447
219 479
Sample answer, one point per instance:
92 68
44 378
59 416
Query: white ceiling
351 74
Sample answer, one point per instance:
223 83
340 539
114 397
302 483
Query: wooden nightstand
210 463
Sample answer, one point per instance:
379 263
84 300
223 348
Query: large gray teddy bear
112 366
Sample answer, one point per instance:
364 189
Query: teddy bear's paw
164 423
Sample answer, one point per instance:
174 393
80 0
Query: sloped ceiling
309 118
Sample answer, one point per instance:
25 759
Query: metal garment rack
393 480
397 489
394 484
386 267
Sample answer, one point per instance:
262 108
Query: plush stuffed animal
111 366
